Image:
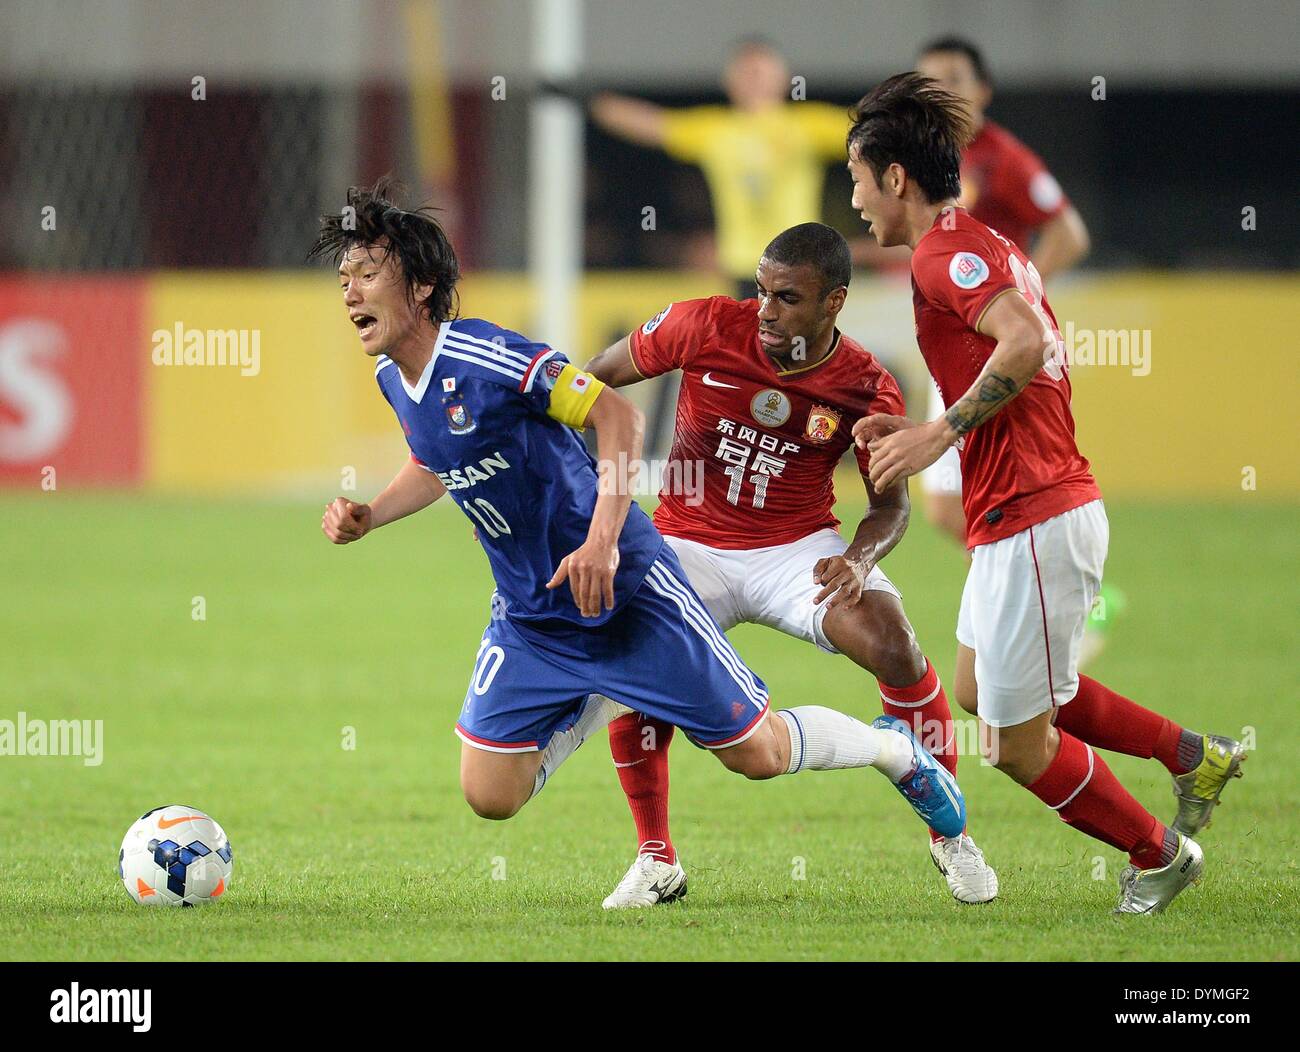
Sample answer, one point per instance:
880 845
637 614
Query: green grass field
371 853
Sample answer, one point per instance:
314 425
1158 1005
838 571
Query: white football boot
970 878
648 882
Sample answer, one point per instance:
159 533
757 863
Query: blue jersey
490 418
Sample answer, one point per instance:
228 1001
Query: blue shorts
662 655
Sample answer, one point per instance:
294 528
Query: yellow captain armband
573 395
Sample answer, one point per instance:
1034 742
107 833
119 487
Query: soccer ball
175 856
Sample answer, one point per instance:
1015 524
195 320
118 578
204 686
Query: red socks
924 707
639 745
1107 720
1082 790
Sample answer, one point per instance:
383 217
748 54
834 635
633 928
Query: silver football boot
1151 890
1198 790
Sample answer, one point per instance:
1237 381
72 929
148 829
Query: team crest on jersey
459 422
967 270
822 422
653 323
770 408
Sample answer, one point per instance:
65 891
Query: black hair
910 120
814 245
414 237
961 46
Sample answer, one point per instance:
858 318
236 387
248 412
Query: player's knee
878 636
1017 758
492 803
755 760
494 809
895 655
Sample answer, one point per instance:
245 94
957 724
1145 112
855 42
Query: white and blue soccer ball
175 856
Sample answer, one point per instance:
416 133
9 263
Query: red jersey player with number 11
769 391
1035 521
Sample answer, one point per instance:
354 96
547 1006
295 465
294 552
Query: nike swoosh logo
633 763
167 823
716 383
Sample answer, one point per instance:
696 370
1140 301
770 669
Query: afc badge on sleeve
654 322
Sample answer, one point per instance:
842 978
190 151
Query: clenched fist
345 521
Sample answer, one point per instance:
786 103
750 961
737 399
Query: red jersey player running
1004 185
769 390
1035 521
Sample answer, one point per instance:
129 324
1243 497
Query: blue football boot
930 789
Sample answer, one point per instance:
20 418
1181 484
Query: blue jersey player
588 597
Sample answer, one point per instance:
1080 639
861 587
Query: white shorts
768 586
1024 609
944 475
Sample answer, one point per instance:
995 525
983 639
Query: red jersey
1006 186
765 442
1021 465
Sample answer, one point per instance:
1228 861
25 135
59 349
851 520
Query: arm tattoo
969 412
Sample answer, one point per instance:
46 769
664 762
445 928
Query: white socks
597 712
822 739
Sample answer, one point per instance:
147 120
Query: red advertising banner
71 358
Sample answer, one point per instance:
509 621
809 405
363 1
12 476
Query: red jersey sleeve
887 399
1028 189
669 339
962 272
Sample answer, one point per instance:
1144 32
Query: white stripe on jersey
696 617
536 368
666 585
384 363
514 374
493 748
488 345
507 360
706 622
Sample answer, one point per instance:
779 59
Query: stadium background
175 210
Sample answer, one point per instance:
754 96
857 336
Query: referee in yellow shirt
764 155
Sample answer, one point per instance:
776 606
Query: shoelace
966 846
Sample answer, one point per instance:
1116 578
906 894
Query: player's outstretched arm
899 447
632 119
411 490
1062 242
614 366
620 430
